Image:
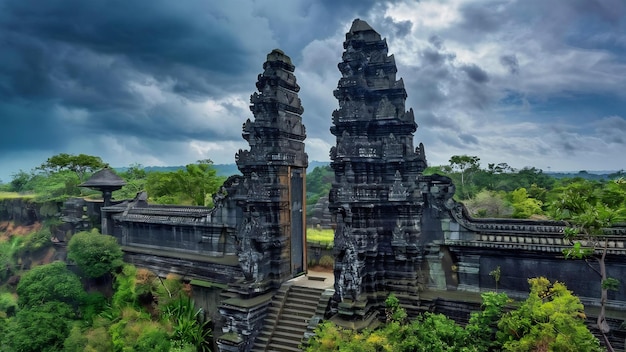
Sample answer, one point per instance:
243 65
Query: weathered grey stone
376 200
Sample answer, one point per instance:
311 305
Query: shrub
327 262
36 241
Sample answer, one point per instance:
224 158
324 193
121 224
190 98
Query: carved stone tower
375 197
271 244
270 233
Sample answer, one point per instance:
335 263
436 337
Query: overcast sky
529 82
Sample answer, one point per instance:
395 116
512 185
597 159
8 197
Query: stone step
306 289
305 294
279 348
284 342
284 333
302 301
300 309
295 324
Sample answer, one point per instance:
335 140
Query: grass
15 195
324 236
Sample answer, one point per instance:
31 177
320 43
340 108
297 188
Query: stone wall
26 211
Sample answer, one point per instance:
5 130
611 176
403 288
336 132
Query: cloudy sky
529 82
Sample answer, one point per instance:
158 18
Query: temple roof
360 26
104 178
278 55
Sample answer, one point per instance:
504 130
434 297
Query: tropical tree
466 165
580 205
40 329
136 178
49 283
550 319
523 205
48 299
79 164
95 254
489 204
192 185
199 181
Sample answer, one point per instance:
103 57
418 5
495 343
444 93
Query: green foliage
193 185
322 236
187 324
8 304
483 325
36 241
524 206
49 283
135 331
78 164
466 166
20 181
327 262
496 274
610 283
41 328
124 285
56 186
76 341
89 339
393 311
489 204
330 337
136 178
92 305
8 250
96 255
318 183
429 332
550 319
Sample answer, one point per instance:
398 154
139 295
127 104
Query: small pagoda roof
104 178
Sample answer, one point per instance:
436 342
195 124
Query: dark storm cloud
475 73
396 29
436 41
440 83
468 139
435 57
613 129
482 16
154 37
119 67
25 128
511 63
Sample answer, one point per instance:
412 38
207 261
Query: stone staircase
288 317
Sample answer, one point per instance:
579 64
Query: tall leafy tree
192 185
80 164
580 204
465 165
523 205
49 283
550 319
40 329
96 255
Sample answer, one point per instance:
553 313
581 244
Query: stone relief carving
397 192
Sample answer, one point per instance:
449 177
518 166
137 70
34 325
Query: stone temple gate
396 229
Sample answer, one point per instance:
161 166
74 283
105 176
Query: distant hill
588 175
